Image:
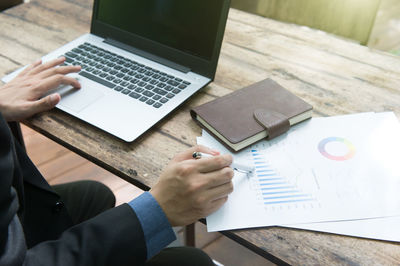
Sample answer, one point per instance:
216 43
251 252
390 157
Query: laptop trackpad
78 99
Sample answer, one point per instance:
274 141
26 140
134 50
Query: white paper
296 183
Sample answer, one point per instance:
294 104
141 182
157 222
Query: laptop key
134 95
97 79
182 86
132 87
170 95
126 91
68 59
142 84
150 102
186 82
168 88
148 93
160 91
163 100
173 83
176 91
124 83
161 85
139 90
157 105
118 88
156 97
143 99
149 87
77 50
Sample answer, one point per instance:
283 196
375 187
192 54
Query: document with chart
326 169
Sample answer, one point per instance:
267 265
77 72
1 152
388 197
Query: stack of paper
336 174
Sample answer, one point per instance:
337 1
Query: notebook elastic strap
275 123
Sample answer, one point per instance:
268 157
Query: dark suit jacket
35 228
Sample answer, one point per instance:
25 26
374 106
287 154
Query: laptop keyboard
126 76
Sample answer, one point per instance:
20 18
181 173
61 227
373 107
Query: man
68 224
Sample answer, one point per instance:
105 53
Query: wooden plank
37 145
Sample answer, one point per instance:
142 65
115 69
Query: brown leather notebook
243 117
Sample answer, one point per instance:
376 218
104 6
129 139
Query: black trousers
86 199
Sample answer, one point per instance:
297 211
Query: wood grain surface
335 76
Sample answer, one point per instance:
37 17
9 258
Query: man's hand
191 189
21 97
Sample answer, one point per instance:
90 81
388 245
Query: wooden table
334 75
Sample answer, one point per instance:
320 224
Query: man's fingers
45 66
56 80
188 154
63 70
44 104
205 165
30 67
220 191
218 178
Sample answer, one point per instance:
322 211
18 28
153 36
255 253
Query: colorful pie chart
322 147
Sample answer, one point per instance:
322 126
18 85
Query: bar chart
275 190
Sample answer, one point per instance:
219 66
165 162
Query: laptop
141 60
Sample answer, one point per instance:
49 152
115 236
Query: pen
240 167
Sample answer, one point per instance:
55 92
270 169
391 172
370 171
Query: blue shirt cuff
157 230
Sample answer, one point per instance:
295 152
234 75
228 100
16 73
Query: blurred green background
352 19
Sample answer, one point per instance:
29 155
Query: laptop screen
189 26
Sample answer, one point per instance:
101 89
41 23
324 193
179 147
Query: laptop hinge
147 55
